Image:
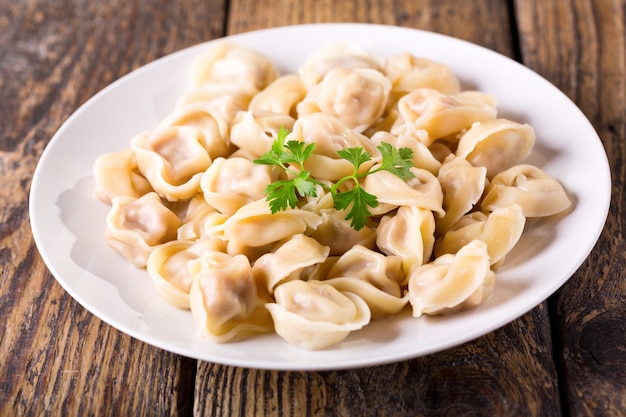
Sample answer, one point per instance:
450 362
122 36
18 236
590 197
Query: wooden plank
439 16
56 357
580 47
507 372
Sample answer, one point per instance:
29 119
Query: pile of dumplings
187 202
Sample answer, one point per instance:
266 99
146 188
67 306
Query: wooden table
565 357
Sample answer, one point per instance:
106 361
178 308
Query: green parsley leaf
304 185
356 156
397 161
284 194
281 195
275 155
357 200
297 152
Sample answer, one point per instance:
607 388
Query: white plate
68 223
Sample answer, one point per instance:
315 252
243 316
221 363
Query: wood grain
57 358
475 376
449 17
565 357
583 52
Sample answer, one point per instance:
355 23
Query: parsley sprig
356 201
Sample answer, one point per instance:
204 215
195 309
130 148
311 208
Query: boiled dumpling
357 97
335 232
173 160
422 191
225 299
193 216
380 303
280 97
253 229
289 260
408 72
231 183
313 315
452 282
167 265
500 230
441 115
254 133
496 144
117 175
463 185
135 226
409 234
212 125
383 272
339 55
218 98
241 69
537 193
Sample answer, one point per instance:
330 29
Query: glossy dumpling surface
117 175
452 282
225 300
136 226
313 315
496 144
357 97
536 192
239 68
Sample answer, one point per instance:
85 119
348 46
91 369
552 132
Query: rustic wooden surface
565 357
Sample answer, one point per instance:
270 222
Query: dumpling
196 210
408 72
330 135
380 303
117 175
496 144
254 133
441 115
335 232
313 315
241 69
357 97
338 55
220 99
253 229
167 265
452 282
173 160
136 226
226 301
231 183
537 193
288 260
383 272
409 234
500 230
212 226
463 185
212 125
280 97
422 191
